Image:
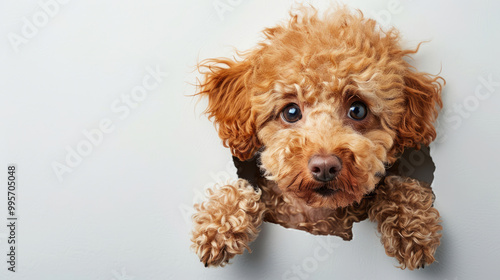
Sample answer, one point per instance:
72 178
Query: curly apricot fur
323 64
407 220
227 222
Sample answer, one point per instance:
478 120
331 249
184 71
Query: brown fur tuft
423 99
229 104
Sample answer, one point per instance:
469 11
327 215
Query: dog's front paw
408 222
412 239
226 223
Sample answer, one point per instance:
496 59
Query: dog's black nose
324 168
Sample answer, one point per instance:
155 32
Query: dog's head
330 101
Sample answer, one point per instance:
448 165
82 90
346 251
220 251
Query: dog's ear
226 86
422 93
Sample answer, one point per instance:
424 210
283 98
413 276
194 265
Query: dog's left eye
357 111
291 113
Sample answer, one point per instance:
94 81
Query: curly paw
407 220
226 223
413 241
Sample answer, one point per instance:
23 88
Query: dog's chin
327 195
325 190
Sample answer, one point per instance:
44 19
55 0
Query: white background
123 210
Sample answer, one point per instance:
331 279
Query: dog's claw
204 262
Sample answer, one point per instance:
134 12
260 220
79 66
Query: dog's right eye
357 111
291 113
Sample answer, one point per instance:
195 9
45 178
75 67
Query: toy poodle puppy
323 107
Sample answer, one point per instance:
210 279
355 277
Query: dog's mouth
325 190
